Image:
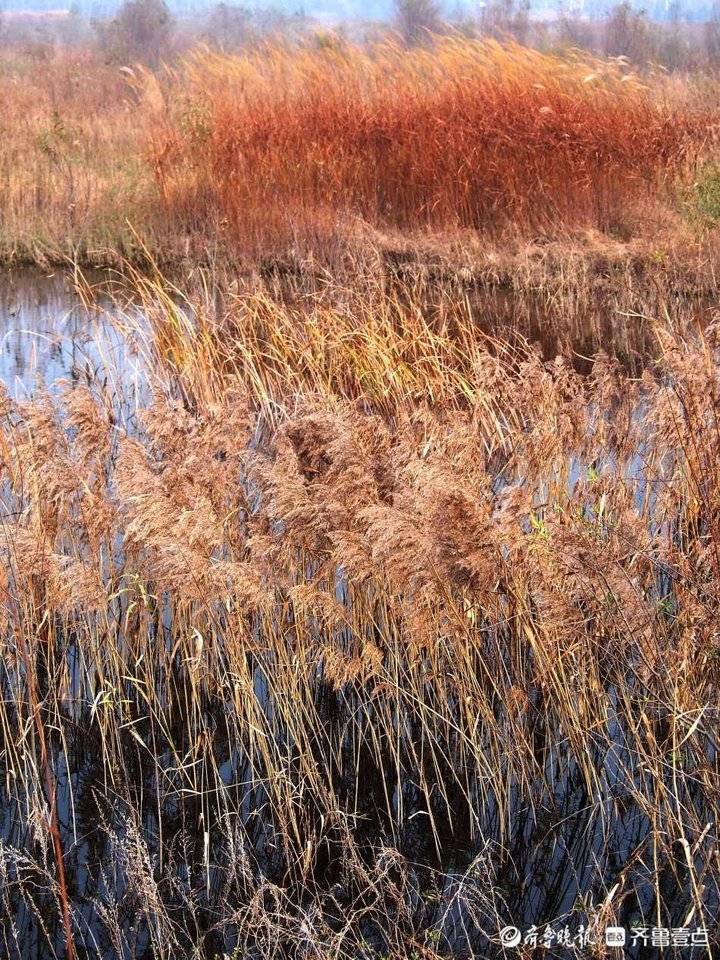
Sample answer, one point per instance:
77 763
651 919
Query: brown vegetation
72 173
469 134
354 623
340 578
312 148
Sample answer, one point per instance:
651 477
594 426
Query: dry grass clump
72 167
345 665
466 134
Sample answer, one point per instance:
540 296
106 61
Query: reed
72 172
328 151
377 609
361 640
280 145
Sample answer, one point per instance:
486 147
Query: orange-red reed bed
469 133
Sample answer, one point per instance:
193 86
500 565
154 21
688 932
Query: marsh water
48 335
564 847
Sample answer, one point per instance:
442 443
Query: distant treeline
656 10
671 35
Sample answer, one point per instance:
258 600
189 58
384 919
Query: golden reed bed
343 635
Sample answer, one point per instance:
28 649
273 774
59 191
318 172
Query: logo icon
614 936
510 936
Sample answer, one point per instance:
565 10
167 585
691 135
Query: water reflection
48 334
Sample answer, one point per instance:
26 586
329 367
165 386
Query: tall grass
472 134
324 148
359 626
72 171
346 652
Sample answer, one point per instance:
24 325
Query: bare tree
711 36
506 18
230 26
628 34
141 31
416 19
